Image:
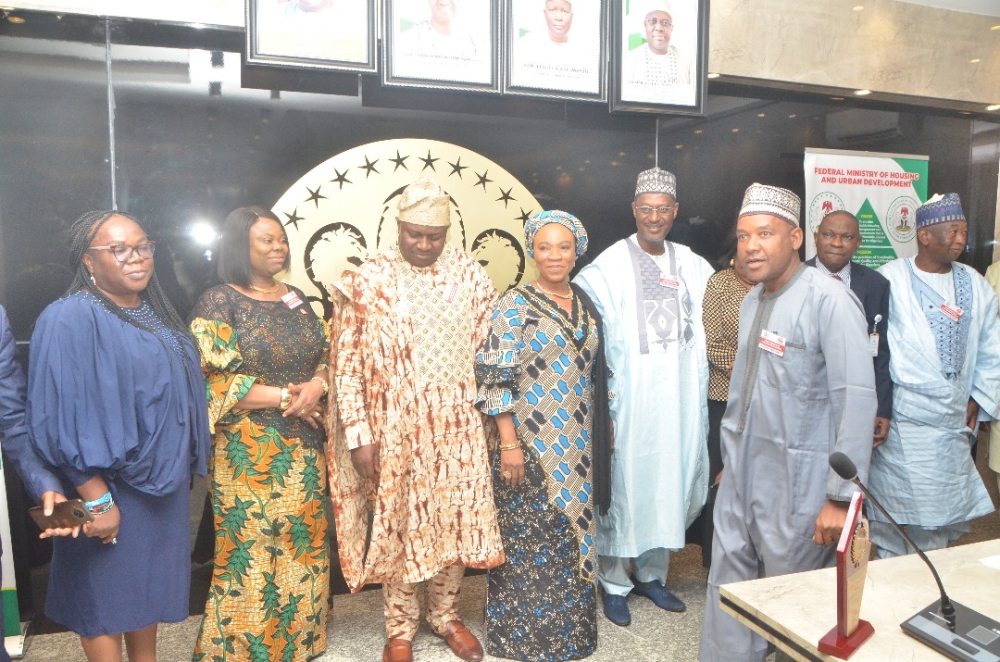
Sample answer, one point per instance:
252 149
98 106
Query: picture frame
451 47
313 34
659 68
556 49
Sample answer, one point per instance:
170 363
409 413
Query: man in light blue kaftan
802 387
649 292
944 339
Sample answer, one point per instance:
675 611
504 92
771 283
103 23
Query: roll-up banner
882 190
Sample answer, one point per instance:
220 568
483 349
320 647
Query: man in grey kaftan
802 387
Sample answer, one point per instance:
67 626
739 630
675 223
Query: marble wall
888 46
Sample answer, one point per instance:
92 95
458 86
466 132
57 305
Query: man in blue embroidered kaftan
649 292
944 341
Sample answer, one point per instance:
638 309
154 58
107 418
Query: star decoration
505 196
399 161
483 179
457 167
293 218
341 178
525 215
428 162
369 167
314 196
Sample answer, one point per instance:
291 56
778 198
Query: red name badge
954 313
672 282
292 300
772 342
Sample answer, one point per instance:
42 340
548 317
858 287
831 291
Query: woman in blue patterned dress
542 377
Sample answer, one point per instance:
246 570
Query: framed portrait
433 43
659 56
556 48
320 34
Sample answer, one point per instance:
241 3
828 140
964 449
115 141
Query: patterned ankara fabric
774 200
721 316
401 603
536 364
404 341
270 591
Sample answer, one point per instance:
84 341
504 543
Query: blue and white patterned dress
541 603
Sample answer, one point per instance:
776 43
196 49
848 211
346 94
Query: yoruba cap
940 209
567 220
656 180
424 203
774 200
655 5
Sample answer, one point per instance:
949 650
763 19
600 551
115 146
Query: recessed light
836 98
699 131
858 8
792 116
736 130
16 20
678 146
713 75
993 107
975 60
761 115
995 27
862 93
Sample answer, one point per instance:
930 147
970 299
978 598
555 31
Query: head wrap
656 180
940 209
424 203
565 219
773 200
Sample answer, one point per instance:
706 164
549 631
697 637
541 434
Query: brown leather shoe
397 650
462 642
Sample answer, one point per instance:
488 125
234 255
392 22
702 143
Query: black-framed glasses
664 22
123 252
646 210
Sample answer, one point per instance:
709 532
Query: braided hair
81 234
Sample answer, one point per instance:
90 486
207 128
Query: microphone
846 469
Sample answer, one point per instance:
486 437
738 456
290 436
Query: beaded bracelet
101 505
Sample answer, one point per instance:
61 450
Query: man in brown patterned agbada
407 444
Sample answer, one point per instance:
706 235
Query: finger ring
316 414
506 475
114 541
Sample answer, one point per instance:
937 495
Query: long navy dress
107 397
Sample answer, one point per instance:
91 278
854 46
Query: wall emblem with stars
342 212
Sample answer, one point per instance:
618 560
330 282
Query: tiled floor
356 630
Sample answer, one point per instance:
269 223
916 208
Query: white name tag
873 344
292 300
451 291
672 282
772 342
954 312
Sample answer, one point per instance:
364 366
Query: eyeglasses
664 22
646 210
123 253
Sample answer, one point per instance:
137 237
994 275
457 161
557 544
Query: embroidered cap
940 209
656 180
565 219
424 203
650 6
774 200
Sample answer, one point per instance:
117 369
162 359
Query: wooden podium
852 567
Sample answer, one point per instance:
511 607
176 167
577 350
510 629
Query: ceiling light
836 98
975 60
995 27
862 93
678 146
761 115
202 233
995 106
792 116
16 20
736 130
858 8
699 131
713 75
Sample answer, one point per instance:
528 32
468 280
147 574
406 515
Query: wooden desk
794 611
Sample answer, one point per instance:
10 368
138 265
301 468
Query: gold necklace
265 290
554 294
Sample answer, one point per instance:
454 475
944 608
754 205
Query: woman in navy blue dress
116 404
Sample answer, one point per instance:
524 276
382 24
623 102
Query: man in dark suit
837 238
